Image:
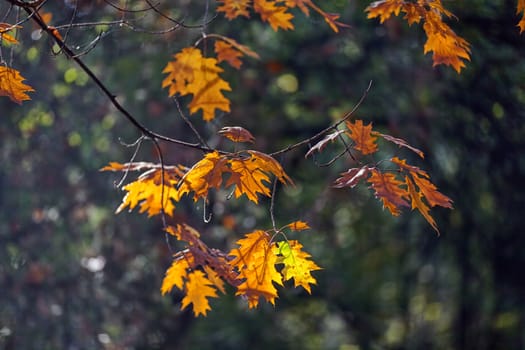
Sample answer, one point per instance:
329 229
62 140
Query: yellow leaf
204 175
297 264
274 14
255 261
389 190
214 278
237 134
198 290
177 273
148 190
250 175
191 73
4 29
384 9
362 136
12 86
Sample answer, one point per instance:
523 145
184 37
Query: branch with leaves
263 259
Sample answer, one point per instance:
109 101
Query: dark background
75 276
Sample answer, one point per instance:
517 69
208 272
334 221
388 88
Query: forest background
75 276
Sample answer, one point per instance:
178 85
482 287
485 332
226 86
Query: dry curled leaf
237 134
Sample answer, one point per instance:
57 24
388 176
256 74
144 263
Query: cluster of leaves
267 258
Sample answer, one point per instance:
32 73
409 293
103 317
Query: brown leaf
400 143
389 190
362 136
237 134
418 203
321 144
351 177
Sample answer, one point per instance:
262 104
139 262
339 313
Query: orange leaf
177 273
298 226
321 144
384 9
351 177
234 8
198 290
148 190
255 262
12 86
274 14
303 5
520 8
191 73
432 195
4 29
400 143
362 136
250 174
226 52
237 134
418 203
389 190
402 163
204 175
297 264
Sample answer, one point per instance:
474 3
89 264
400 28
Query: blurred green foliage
75 276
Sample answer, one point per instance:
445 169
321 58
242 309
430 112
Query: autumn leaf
192 74
231 51
298 226
237 134
297 264
431 194
251 175
400 143
234 8
414 170
322 144
362 136
304 6
389 190
384 9
198 290
151 193
255 261
418 203
5 28
177 273
520 8
276 15
351 177
204 175
12 86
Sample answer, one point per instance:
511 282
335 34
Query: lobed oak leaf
226 52
204 175
400 143
418 203
237 134
214 278
414 170
351 177
234 8
322 144
255 261
297 264
12 86
250 175
177 273
389 190
151 193
362 136
191 73
198 290
384 9
431 194
274 14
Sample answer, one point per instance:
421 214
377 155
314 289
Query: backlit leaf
5 28
520 8
234 8
12 86
191 73
400 143
418 203
431 194
255 262
351 177
298 226
273 13
389 190
177 273
362 136
237 134
297 264
384 9
414 170
321 144
198 290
